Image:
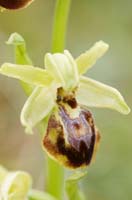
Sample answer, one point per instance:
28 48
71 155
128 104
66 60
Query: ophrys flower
14 185
60 97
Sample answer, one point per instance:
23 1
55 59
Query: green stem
55 179
37 195
60 25
55 174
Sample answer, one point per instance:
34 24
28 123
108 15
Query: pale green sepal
92 93
38 195
16 186
86 60
21 56
28 88
38 106
51 66
42 126
63 68
74 72
72 186
29 74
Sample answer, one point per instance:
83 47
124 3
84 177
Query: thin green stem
60 25
55 179
55 174
38 195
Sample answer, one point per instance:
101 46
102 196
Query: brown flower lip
15 4
82 139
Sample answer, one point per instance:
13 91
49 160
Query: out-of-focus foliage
110 177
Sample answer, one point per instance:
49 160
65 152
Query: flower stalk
60 25
55 171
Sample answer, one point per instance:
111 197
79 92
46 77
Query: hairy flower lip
15 4
75 151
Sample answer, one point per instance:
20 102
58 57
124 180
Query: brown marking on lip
14 4
71 102
69 98
67 153
76 158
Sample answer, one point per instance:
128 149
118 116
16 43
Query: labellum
14 4
71 136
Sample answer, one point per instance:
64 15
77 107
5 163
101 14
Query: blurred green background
110 177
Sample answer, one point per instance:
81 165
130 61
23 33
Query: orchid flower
14 185
17 185
61 96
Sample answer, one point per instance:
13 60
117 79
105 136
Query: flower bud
15 186
14 4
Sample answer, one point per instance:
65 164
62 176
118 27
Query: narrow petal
63 68
38 106
21 57
86 60
16 185
95 94
29 74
